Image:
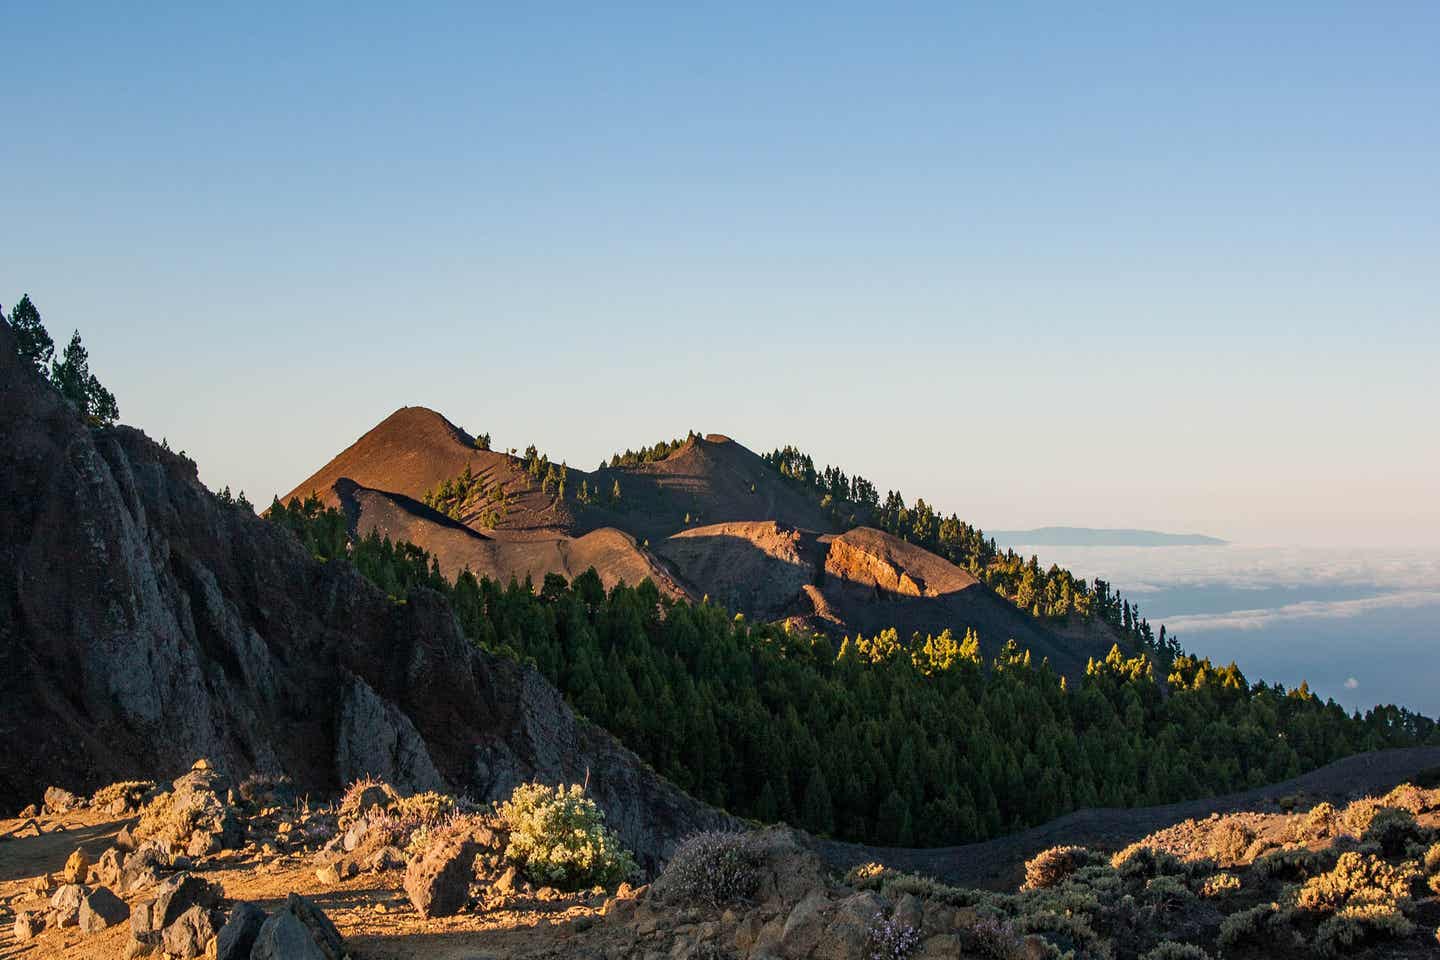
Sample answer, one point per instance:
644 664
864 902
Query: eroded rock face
155 624
376 739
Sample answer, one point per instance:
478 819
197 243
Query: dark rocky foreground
144 623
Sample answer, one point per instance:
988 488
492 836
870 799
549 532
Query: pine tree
818 814
32 339
72 377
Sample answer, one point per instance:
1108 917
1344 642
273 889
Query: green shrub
1407 796
1167 893
1219 885
1320 823
1260 922
1172 950
1049 867
1293 863
1354 924
1229 841
1393 829
1139 862
558 838
1357 879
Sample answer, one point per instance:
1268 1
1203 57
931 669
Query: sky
1111 266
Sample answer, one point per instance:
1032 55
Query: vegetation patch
558 838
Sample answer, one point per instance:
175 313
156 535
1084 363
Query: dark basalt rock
143 624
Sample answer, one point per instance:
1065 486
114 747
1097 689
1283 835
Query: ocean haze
1360 625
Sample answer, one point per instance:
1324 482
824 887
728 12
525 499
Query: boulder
805 925
787 870
355 835
28 924
386 858
438 883
322 931
909 912
77 867
284 937
173 897
59 800
141 869
30 812
847 933
125 839
237 937
109 868
101 909
65 904
190 933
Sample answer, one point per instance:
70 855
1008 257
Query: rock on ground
438 883
102 909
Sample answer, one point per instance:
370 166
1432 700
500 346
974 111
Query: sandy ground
370 910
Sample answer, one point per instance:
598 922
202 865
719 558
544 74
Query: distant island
1092 537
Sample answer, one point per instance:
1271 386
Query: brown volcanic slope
613 554
752 542
414 449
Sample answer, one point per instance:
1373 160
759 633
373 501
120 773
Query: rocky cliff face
144 623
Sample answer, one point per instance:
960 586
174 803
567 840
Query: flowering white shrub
714 866
558 837
889 939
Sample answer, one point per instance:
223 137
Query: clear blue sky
1040 264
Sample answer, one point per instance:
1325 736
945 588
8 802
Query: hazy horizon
1111 269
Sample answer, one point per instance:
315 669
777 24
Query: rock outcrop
144 622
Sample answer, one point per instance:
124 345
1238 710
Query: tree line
70 375
880 739
1046 593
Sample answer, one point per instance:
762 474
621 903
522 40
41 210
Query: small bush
1229 841
888 939
1430 862
1357 816
1354 924
558 837
362 796
1392 829
1167 893
1407 796
267 788
427 808
1220 885
132 792
1321 823
992 939
1258 922
1138 862
1049 867
1357 879
1294 863
713 867
1172 950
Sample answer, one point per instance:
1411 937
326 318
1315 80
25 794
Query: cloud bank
1305 610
